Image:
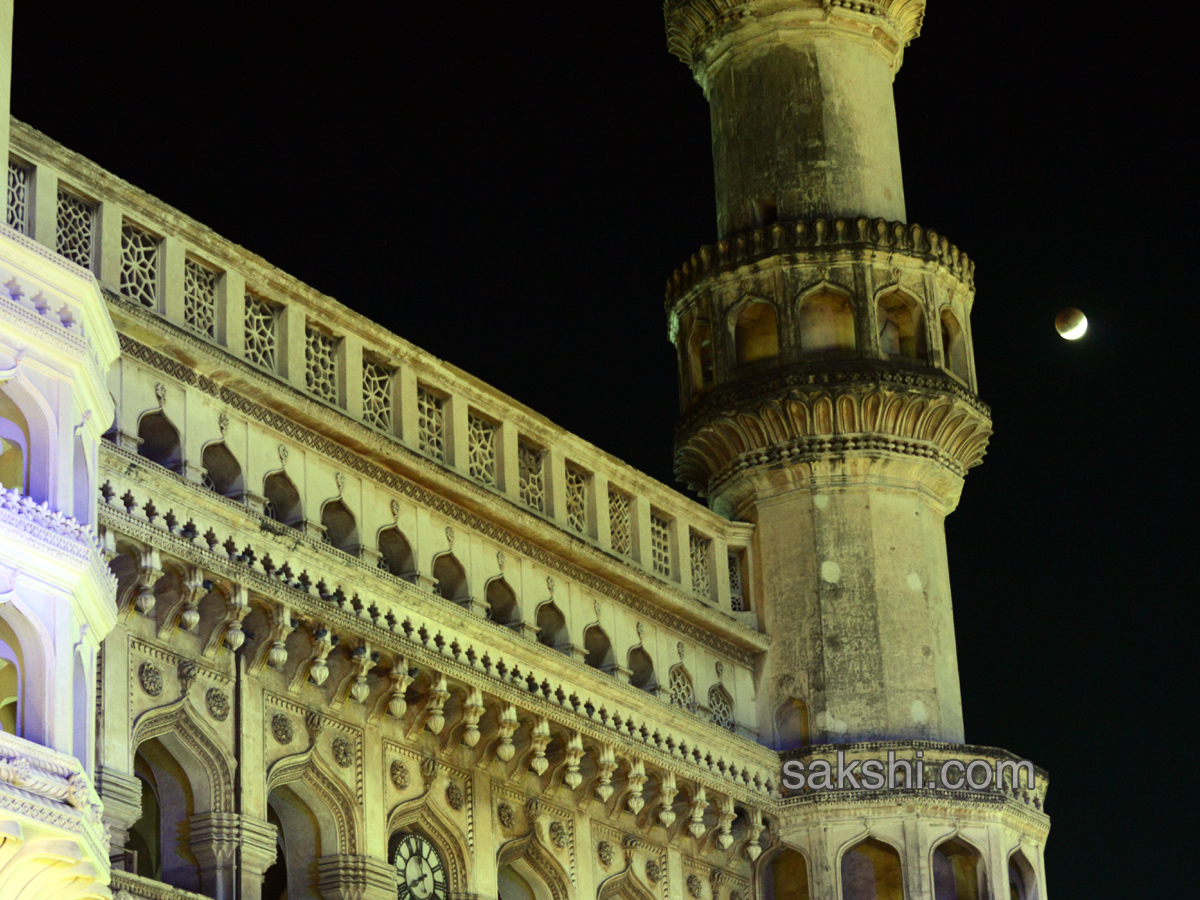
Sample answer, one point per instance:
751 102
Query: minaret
827 380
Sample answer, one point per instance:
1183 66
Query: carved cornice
693 24
798 416
812 239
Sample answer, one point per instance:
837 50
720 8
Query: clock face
422 875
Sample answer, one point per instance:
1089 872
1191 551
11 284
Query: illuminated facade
290 608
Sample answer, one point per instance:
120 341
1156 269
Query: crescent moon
1078 331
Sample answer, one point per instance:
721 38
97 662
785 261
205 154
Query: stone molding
816 238
127 886
801 416
694 25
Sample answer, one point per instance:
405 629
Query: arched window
395 554
720 707
791 723
1022 880
871 871
901 330
756 333
700 356
599 650
14 445
683 694
786 877
954 345
826 325
552 628
451 578
502 603
341 531
222 473
283 500
160 441
642 668
957 872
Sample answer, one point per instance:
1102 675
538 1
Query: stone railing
824 235
127 886
239 313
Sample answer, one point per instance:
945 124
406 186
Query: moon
1071 324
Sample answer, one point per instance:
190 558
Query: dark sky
509 185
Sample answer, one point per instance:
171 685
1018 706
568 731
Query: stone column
231 848
122 798
344 877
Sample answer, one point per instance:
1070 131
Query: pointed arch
29 651
682 690
451 578
792 725
755 327
340 526
901 326
1022 878
641 667
26 437
282 499
502 603
187 737
395 553
552 627
424 818
338 812
544 875
786 876
871 870
623 885
958 871
222 472
825 323
700 356
160 441
954 345
599 649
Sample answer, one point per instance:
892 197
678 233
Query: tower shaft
827 378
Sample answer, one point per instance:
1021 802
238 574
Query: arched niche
528 871
175 787
275 878
791 724
81 484
755 328
954 345
395 553
958 872
870 870
11 666
825 324
641 667
514 886
552 627
700 356
306 833
26 440
282 500
1022 879
599 649
429 823
502 603
785 877
451 578
341 528
222 473
901 326
720 707
160 441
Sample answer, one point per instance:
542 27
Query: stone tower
827 384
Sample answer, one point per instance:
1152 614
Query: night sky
509 185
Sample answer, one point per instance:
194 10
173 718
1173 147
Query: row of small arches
222 474
872 870
825 329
